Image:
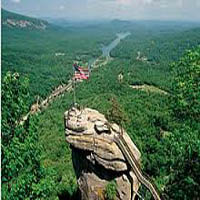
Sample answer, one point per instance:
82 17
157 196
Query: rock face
96 157
13 20
25 24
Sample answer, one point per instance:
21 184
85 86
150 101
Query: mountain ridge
14 20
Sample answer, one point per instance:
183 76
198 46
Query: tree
22 175
116 113
111 190
186 86
184 182
184 143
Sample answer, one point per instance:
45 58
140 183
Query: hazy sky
108 9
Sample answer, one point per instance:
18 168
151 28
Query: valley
159 114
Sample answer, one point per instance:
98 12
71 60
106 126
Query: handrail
144 179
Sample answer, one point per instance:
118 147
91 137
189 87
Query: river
107 49
67 87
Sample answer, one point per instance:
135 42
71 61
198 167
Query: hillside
148 115
168 144
13 20
37 57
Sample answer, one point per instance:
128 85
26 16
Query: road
36 107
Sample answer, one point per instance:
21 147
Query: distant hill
13 20
118 21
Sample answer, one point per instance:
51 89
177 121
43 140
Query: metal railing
142 178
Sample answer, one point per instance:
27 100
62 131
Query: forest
163 125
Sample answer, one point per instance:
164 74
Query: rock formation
96 157
41 25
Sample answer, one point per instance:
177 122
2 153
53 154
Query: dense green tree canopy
184 143
22 175
164 129
186 85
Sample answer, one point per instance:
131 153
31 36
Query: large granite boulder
96 157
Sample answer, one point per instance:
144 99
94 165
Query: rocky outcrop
41 25
14 20
96 157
